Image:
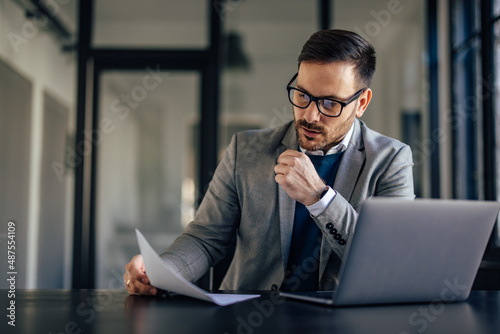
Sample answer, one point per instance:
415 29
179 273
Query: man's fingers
136 287
291 153
292 158
136 280
280 169
137 263
139 285
297 176
286 159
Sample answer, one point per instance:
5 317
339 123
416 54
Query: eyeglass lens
326 106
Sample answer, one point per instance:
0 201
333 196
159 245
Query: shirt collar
340 147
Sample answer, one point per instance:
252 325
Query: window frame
479 156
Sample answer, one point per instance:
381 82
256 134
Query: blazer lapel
350 165
345 181
286 203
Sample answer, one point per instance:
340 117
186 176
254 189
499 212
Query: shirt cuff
317 208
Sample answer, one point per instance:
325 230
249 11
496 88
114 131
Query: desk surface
113 311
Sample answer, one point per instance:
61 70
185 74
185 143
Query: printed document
164 278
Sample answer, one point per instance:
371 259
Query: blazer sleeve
395 181
205 239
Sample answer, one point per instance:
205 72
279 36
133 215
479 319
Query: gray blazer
244 198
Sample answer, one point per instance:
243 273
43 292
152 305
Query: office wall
445 145
151 23
397 31
15 121
31 51
53 195
269 37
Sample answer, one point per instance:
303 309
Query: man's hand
298 177
136 281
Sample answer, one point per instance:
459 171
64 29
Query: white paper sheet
164 278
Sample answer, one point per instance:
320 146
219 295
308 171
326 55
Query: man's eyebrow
333 97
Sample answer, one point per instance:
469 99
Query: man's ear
363 102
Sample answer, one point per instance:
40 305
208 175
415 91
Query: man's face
336 80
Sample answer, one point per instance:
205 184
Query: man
291 194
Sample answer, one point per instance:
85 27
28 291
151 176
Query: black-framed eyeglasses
327 107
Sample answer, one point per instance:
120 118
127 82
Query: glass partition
263 40
150 24
146 165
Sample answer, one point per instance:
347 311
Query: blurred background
114 114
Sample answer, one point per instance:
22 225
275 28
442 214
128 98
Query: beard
308 143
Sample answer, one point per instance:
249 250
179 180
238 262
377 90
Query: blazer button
341 242
333 231
329 226
274 287
337 236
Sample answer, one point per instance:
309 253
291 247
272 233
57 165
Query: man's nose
311 113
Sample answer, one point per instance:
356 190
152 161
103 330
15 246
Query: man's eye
328 104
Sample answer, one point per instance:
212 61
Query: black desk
114 312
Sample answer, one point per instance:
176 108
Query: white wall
33 51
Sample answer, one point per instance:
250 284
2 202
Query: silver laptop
410 252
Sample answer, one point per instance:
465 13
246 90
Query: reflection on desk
114 311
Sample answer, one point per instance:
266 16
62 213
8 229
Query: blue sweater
303 263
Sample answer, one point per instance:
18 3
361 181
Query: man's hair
333 45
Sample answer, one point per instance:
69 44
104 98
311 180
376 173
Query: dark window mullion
488 89
434 124
463 101
470 155
468 43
